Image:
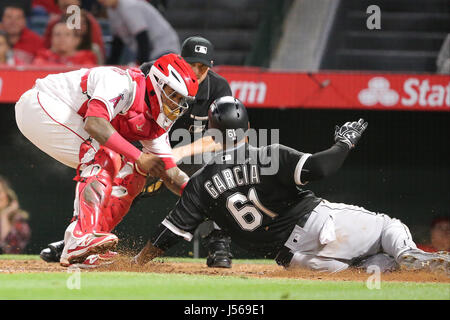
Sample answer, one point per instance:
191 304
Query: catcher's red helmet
172 70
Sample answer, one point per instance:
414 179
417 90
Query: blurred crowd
73 35
15 232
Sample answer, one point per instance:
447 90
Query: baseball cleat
416 259
218 260
219 253
97 260
87 245
53 252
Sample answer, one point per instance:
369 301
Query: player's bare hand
350 132
150 164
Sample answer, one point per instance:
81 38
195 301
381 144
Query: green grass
129 285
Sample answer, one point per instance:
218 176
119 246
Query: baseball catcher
87 119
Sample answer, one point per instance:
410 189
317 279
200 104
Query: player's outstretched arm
165 237
179 224
148 253
324 163
175 180
202 145
350 132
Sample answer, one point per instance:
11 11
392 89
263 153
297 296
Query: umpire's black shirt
211 88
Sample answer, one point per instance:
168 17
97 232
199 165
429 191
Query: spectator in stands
63 50
139 26
86 38
24 4
25 42
14 229
90 29
443 60
440 236
7 54
47 7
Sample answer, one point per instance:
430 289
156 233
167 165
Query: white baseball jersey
111 85
51 114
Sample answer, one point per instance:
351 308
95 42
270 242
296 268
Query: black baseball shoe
219 252
53 252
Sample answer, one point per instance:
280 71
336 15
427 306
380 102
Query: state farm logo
249 91
416 93
379 91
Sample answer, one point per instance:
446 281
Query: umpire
199 52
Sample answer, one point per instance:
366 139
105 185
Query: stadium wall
401 167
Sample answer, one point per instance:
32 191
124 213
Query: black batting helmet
228 114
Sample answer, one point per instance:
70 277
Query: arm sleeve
300 168
290 164
160 147
144 47
181 222
187 214
324 163
97 108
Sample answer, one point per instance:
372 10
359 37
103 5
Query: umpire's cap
228 114
197 49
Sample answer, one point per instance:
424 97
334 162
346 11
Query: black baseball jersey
258 210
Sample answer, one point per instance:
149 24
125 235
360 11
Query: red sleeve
169 162
97 108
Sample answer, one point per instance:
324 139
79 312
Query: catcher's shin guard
94 191
127 185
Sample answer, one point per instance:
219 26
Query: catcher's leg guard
127 185
95 192
83 237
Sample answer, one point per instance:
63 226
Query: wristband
118 144
183 186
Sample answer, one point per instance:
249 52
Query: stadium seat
411 35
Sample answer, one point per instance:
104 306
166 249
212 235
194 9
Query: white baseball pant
337 234
52 126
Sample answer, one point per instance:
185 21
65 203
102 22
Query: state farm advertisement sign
260 88
340 90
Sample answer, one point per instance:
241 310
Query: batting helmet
228 114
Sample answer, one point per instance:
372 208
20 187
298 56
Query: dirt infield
238 269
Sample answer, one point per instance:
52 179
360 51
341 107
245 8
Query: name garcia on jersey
230 178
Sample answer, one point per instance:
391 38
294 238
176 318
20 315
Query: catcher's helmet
174 71
228 114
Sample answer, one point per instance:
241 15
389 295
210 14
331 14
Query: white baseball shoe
416 259
97 260
76 250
